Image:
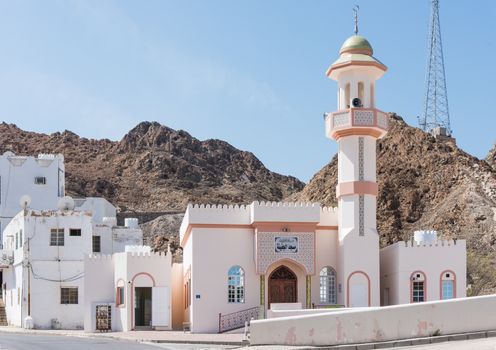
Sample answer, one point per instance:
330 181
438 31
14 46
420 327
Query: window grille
328 285
40 180
96 244
57 237
418 291
103 318
75 232
69 295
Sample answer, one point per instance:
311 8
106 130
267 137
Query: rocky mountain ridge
491 157
155 168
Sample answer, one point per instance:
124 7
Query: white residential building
62 258
133 287
41 177
46 277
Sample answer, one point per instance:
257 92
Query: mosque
242 261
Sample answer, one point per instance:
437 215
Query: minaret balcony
356 121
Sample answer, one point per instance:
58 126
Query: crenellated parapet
99 256
43 159
439 243
329 216
207 214
285 212
258 213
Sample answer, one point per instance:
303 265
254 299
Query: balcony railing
357 118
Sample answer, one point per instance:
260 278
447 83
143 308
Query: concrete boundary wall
379 324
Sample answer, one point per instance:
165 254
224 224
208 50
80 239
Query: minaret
356 126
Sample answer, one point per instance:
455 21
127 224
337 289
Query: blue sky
248 72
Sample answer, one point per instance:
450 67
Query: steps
3 316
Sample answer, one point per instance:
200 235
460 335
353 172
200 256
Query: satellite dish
66 203
25 201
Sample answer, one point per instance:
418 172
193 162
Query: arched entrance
283 286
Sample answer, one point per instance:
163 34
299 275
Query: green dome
357 44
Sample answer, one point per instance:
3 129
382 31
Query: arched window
236 285
347 95
448 288
417 287
361 93
328 285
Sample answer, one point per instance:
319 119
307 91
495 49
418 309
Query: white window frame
236 285
57 238
328 286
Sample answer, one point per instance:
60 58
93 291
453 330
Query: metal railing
237 319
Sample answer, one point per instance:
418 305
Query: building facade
42 178
63 260
44 276
135 286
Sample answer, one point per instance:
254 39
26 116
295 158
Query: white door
160 306
359 295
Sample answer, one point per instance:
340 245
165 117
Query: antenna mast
355 17
436 112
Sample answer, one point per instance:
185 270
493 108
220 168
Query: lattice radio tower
436 112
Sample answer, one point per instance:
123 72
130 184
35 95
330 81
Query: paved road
476 344
13 341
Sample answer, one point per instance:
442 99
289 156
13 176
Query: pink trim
281 262
411 285
357 187
362 51
260 226
441 284
375 130
354 63
133 327
120 280
348 287
356 131
120 303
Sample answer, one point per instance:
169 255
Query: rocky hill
155 168
426 183
491 157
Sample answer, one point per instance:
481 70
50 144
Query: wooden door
282 286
